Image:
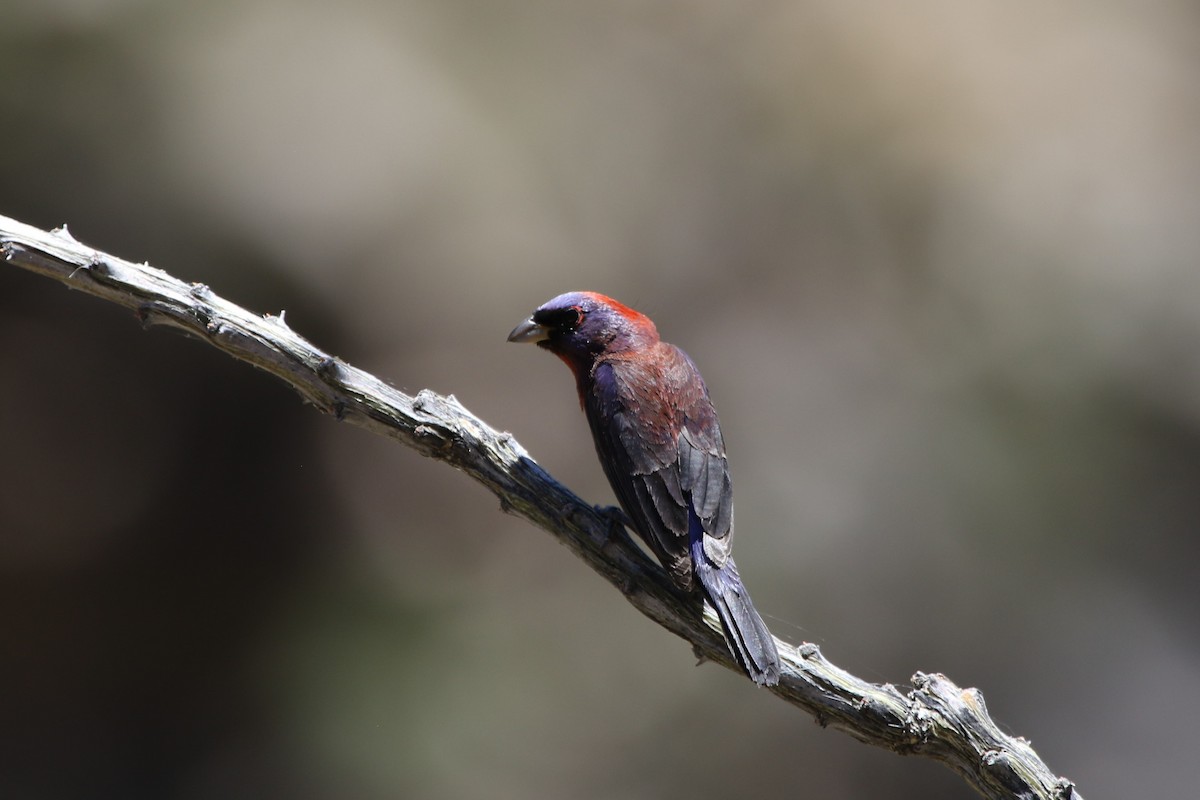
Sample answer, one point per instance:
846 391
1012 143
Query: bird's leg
615 516
618 525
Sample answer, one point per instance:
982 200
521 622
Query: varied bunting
657 436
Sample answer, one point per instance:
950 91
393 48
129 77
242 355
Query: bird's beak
529 331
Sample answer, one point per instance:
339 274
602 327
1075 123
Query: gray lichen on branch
936 718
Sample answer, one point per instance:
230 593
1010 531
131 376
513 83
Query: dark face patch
560 320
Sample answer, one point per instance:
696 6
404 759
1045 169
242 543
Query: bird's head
580 326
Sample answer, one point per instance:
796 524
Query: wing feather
661 447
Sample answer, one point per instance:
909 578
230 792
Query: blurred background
937 261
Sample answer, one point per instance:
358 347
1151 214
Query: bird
659 442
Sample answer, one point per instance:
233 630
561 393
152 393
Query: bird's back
646 409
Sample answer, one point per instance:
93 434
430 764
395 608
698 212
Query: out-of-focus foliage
939 263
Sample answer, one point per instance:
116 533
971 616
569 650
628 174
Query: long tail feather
745 632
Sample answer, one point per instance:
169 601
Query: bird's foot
616 517
618 537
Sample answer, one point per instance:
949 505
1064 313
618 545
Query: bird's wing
704 473
703 467
657 436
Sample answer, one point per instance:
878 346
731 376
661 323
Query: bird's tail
745 632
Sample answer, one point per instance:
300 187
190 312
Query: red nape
630 314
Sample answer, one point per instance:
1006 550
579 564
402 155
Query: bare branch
935 719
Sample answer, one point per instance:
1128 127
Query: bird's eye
563 319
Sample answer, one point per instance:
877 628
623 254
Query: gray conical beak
529 331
